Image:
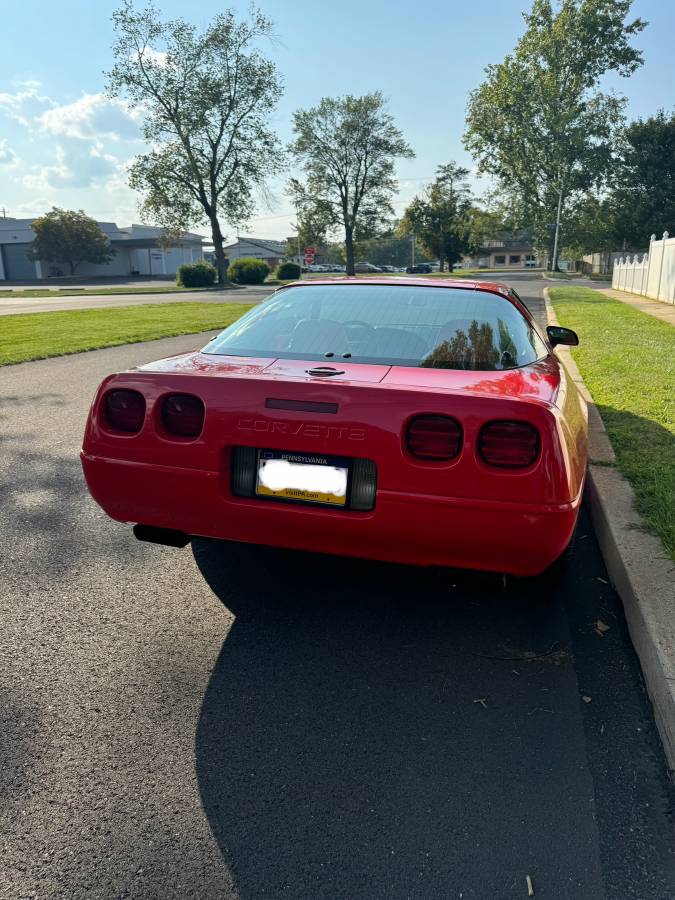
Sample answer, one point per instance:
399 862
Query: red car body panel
460 513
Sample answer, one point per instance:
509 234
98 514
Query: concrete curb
638 567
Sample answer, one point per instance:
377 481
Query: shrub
196 274
248 271
287 271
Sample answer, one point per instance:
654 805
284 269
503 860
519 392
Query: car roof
494 287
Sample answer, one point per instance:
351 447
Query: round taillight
183 415
125 410
508 445
436 438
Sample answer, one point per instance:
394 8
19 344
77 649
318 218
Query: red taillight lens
125 410
183 414
436 438
508 445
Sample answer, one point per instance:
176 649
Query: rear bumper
416 529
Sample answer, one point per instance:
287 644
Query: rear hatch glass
403 325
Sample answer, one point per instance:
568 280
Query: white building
272 252
136 247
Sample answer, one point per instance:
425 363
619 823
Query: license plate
302 477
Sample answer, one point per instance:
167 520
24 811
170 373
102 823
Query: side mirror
558 335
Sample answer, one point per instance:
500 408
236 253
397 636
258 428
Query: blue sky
63 143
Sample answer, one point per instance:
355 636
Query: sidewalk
656 308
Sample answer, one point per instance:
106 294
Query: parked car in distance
365 267
530 263
419 269
420 422
387 269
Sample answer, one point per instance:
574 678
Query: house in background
272 252
505 251
137 252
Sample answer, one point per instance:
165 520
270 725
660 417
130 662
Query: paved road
15 305
357 731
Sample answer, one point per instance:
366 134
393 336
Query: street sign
309 255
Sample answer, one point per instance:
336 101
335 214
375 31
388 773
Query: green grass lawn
627 359
169 288
39 335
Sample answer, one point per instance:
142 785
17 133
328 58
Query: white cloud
31 208
26 103
78 165
156 57
8 157
93 116
74 155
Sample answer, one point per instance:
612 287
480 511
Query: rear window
433 327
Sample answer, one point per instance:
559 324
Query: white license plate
306 478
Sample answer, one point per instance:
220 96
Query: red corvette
393 419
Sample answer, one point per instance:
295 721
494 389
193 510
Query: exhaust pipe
168 537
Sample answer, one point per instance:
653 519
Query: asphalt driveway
357 731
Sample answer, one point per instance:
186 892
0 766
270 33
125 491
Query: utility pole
4 213
297 226
412 249
554 262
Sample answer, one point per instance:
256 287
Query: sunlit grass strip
39 335
627 359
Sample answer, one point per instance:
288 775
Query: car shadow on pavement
376 731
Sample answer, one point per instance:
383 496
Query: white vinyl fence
651 274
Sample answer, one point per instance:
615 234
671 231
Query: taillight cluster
435 438
181 415
125 410
508 445
501 444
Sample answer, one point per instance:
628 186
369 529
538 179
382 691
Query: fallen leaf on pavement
601 627
482 701
530 889
587 699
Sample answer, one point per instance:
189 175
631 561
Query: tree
206 98
311 227
347 147
439 218
390 249
642 194
590 227
539 122
71 237
481 225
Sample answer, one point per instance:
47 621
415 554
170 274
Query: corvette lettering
304 429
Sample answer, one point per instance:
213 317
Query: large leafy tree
539 123
388 249
589 228
642 192
69 237
206 99
439 218
311 226
347 147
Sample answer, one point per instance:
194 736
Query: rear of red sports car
392 420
